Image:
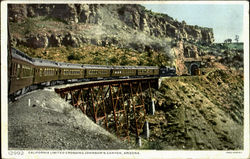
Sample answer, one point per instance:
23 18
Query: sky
225 19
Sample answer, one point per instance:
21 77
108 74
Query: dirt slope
202 112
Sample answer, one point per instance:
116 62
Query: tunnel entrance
194 69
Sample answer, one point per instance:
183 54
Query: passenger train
26 72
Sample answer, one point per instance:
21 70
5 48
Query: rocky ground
199 113
50 123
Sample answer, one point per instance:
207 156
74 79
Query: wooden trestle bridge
118 105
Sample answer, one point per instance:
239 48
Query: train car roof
124 67
147 67
96 67
43 62
21 56
69 65
134 67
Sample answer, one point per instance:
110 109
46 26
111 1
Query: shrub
113 60
73 57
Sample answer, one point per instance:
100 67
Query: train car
22 71
45 71
97 71
156 71
70 71
146 70
123 71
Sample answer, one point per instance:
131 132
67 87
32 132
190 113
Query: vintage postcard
124 79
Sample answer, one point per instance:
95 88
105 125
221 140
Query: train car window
18 70
41 73
25 72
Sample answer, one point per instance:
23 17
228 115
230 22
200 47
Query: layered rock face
120 17
157 25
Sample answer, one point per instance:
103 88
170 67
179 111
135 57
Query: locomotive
26 72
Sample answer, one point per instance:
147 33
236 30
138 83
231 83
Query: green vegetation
91 54
235 46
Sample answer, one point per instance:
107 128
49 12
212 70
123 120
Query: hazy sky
225 19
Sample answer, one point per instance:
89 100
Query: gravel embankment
51 123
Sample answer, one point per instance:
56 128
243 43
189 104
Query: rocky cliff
100 24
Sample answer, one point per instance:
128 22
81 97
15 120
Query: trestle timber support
118 105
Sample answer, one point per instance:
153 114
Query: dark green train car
45 71
71 71
21 73
156 71
96 71
123 71
145 71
